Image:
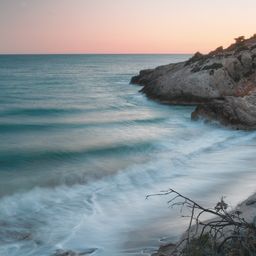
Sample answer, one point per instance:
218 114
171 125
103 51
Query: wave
53 111
62 217
39 112
28 127
12 159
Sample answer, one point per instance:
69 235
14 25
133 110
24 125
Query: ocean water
80 148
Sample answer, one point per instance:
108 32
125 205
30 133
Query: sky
122 26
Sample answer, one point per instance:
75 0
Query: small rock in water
251 201
65 253
72 253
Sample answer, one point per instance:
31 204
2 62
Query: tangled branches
226 233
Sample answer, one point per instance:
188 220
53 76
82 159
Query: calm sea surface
80 149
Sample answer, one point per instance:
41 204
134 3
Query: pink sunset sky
123 26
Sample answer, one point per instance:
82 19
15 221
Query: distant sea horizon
96 53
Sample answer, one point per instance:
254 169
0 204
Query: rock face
222 84
237 112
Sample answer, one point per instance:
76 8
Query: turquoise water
80 149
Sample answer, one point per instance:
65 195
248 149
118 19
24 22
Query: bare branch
219 234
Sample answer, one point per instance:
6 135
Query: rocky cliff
222 84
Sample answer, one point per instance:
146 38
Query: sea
81 148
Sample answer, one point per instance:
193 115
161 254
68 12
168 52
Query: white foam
112 214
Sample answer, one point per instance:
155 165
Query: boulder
236 112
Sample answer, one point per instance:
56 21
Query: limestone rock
222 84
237 112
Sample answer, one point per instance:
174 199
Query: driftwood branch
224 232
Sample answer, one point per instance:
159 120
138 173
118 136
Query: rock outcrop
237 112
222 84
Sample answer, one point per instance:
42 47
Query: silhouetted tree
240 39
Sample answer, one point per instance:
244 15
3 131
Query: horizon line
153 53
